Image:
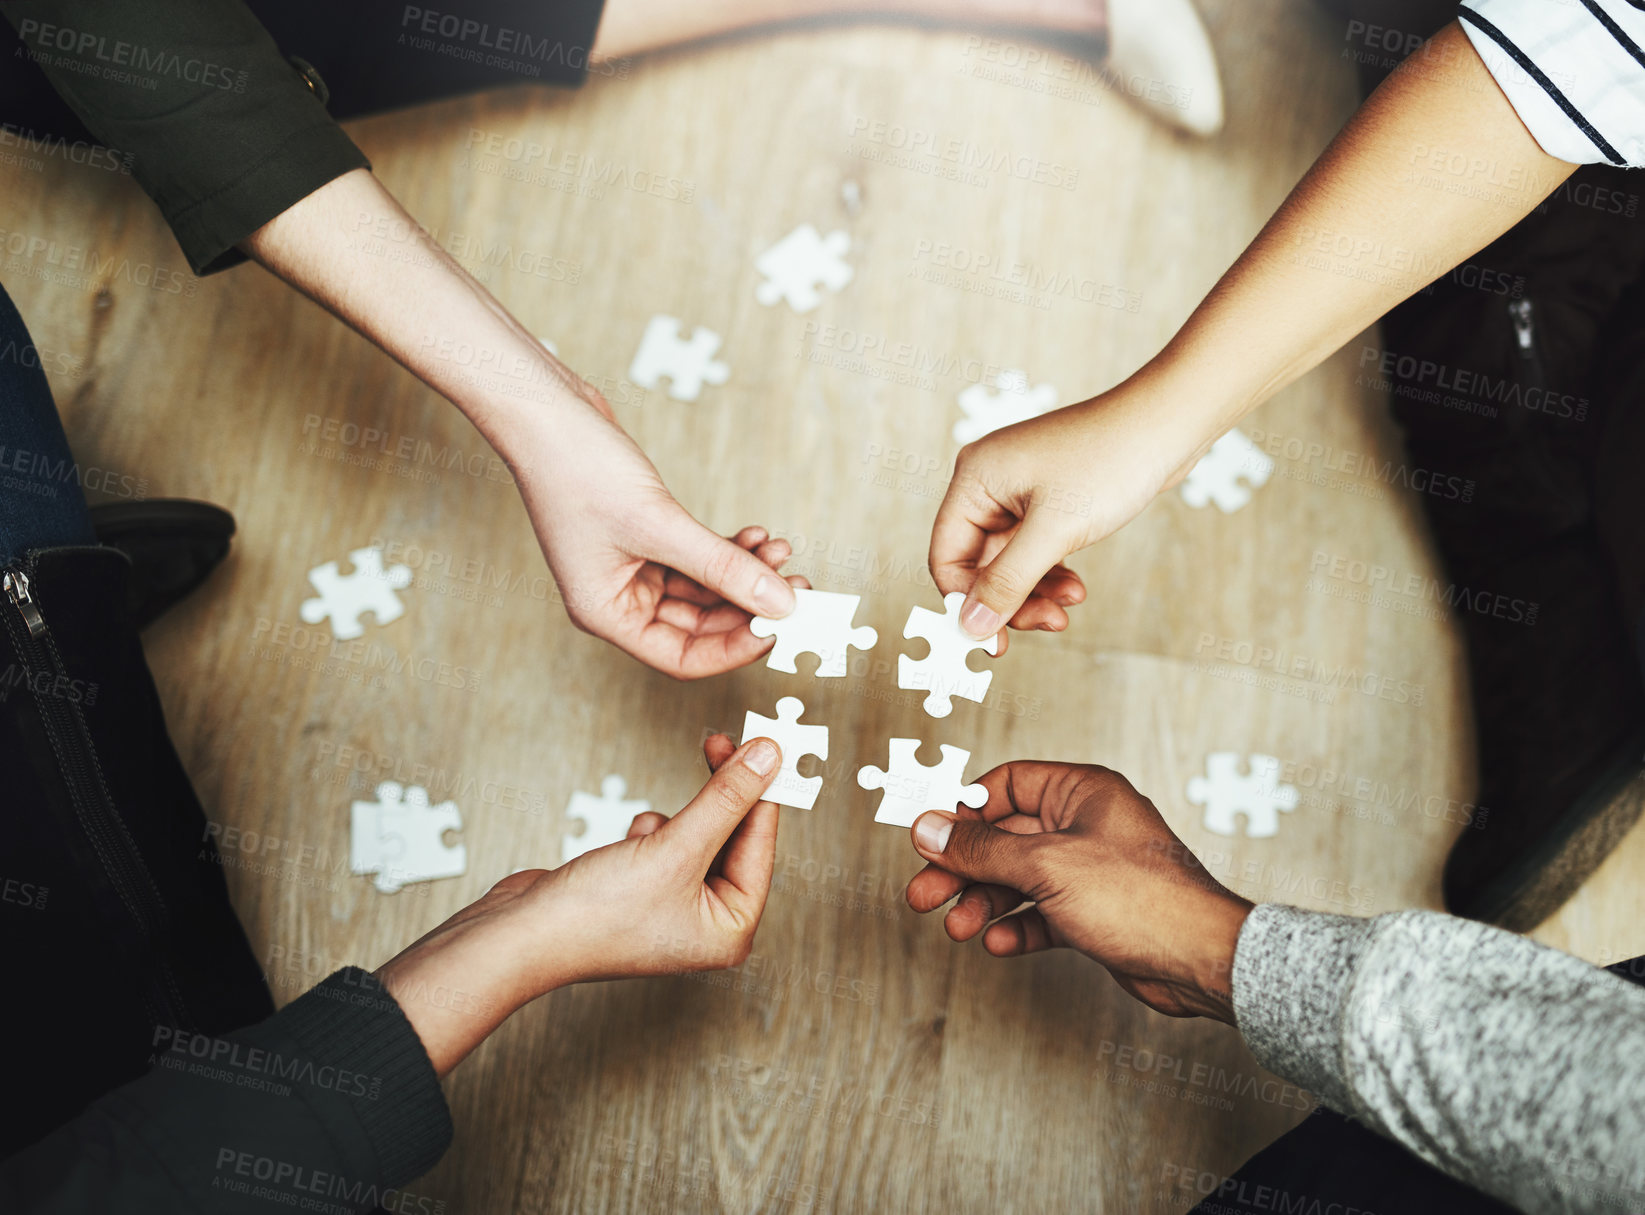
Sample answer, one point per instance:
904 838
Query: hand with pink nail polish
1104 875
678 895
1024 497
633 566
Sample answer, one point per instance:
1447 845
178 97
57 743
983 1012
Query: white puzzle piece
401 838
820 624
911 788
346 597
801 262
688 365
943 672
790 788
605 819
1226 793
1216 478
1012 401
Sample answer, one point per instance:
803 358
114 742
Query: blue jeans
42 504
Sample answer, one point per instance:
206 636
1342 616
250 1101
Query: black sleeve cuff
351 1021
210 230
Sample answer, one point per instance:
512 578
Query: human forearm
1507 1064
199 105
352 248
1363 230
631 564
1369 224
457 984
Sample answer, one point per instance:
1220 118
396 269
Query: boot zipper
66 728
16 586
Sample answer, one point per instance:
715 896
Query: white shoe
1160 56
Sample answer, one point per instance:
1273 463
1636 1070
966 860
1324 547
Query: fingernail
932 830
773 596
980 620
762 757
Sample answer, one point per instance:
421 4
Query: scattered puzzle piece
401 838
911 788
1012 401
1216 478
1226 793
799 263
605 819
820 624
687 365
790 788
943 672
345 598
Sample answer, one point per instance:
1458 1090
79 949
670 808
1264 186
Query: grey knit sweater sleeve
1509 1065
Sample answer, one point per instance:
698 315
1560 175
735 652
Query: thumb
725 568
1004 584
977 851
731 792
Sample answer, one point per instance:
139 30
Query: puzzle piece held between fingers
345 598
799 263
911 788
1226 793
1012 401
605 819
688 365
401 838
790 788
943 672
1216 478
820 624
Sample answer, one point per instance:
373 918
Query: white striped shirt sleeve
1574 71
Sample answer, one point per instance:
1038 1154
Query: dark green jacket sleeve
225 132
331 1104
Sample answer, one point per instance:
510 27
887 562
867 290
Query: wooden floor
859 1061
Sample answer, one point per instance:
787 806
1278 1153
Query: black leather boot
117 922
174 544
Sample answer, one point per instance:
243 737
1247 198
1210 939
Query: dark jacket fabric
152 1072
220 129
329 1105
225 113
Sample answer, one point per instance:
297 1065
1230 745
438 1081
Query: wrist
1168 413
1211 961
455 987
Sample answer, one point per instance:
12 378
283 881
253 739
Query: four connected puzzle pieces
401 837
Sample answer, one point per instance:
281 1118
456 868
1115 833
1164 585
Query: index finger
1022 787
966 519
